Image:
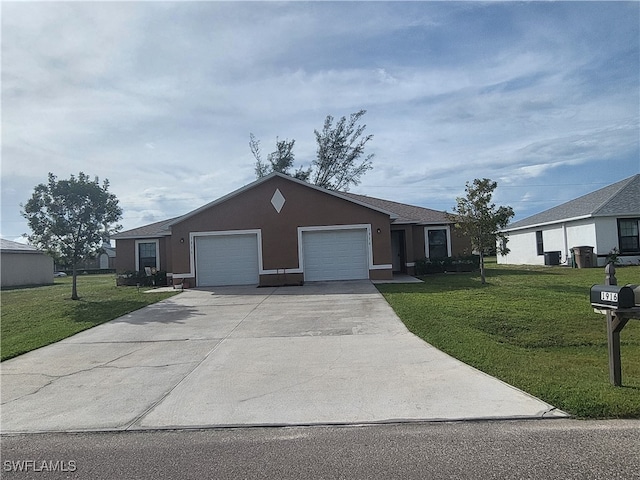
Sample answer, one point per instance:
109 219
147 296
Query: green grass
37 316
532 327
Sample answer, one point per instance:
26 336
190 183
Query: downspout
566 243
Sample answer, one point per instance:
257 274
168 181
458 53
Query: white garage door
226 260
335 255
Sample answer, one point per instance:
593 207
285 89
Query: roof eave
544 224
137 237
421 222
27 252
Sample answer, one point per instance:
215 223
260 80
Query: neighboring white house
24 265
606 219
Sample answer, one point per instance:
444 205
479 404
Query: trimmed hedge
132 279
466 263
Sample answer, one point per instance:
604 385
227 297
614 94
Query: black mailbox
613 296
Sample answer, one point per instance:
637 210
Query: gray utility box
615 297
552 258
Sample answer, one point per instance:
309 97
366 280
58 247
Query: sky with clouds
160 97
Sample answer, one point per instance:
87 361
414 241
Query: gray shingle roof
619 199
153 230
405 213
15 247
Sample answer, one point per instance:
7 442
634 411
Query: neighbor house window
437 240
628 235
539 242
147 254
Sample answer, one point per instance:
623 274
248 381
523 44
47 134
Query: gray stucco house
24 265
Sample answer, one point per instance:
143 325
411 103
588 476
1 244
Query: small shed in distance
24 265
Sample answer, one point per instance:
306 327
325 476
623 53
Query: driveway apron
324 353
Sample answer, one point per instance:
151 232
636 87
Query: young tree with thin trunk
70 218
480 220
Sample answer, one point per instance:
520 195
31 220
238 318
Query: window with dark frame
539 242
147 255
629 235
438 247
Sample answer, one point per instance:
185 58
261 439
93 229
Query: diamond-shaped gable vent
277 200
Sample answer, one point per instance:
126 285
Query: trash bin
552 258
583 256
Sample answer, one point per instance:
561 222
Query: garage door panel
227 260
335 255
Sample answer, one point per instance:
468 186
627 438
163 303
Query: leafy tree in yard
70 218
340 160
480 220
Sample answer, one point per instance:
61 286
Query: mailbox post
619 304
614 326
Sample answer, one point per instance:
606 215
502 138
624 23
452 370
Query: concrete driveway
325 353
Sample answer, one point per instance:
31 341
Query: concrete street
325 353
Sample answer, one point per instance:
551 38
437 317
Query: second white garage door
335 254
226 260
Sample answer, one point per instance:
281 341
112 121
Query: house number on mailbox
609 296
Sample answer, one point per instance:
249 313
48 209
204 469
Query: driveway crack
55 378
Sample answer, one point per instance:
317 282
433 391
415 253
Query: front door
397 250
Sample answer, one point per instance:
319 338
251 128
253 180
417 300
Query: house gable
278 207
268 178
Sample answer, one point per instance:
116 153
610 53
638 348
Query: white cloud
160 97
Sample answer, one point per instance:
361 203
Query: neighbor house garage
279 230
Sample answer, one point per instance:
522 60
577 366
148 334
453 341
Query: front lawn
38 316
532 327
